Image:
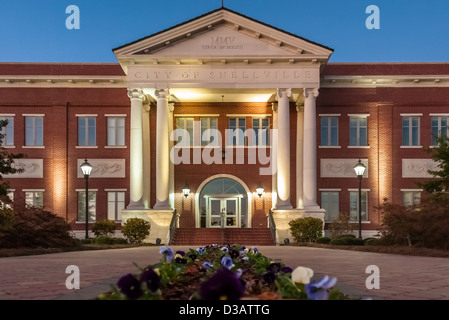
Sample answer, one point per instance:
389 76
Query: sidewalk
43 277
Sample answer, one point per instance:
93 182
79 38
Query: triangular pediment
222 34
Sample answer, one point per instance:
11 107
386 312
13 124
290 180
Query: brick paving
43 277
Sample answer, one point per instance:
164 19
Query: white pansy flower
302 275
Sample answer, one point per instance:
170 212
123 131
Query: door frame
223 216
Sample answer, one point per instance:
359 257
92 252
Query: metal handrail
173 226
272 226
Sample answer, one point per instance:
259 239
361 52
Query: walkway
43 277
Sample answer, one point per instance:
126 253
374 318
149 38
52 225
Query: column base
135 206
162 205
283 217
283 204
159 219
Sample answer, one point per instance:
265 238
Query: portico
223 54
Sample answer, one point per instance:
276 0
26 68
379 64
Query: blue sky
410 31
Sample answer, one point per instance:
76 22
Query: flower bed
221 273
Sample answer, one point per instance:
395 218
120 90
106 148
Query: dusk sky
409 31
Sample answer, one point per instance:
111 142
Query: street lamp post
86 168
359 171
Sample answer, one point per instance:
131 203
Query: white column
146 155
162 151
171 108
136 151
310 158
274 154
299 155
283 152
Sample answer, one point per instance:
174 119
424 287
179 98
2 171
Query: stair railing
272 226
173 225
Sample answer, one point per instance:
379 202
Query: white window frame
329 130
413 193
183 126
9 127
260 128
206 134
34 144
82 211
117 212
365 218
358 127
410 130
33 193
238 132
334 191
118 131
439 118
86 128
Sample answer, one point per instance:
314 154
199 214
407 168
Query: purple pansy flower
319 290
151 278
227 263
168 252
129 285
207 265
222 285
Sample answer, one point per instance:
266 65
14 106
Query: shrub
136 230
341 226
109 240
323 240
35 227
306 230
104 228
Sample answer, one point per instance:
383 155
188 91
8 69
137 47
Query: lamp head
259 190
86 168
359 169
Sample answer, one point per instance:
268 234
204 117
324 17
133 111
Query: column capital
282 92
274 106
308 92
135 94
171 106
162 93
300 107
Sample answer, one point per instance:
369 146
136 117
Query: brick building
224 104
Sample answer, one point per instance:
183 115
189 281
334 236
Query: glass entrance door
223 213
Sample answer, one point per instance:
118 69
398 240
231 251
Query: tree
6 163
440 181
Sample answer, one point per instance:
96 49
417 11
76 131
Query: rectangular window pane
116 203
34 198
406 131
8 131
34 131
354 205
91 206
324 131
353 131
330 202
87 131
237 128
185 124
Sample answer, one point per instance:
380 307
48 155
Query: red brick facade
60 105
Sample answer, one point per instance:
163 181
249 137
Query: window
116 203
237 128
34 198
411 197
86 131
261 132
410 131
91 205
330 202
209 131
34 131
439 128
186 124
358 131
8 131
329 131
10 195
116 131
354 205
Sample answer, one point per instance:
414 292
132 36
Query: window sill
329 147
116 147
411 147
33 147
9 147
86 147
359 147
